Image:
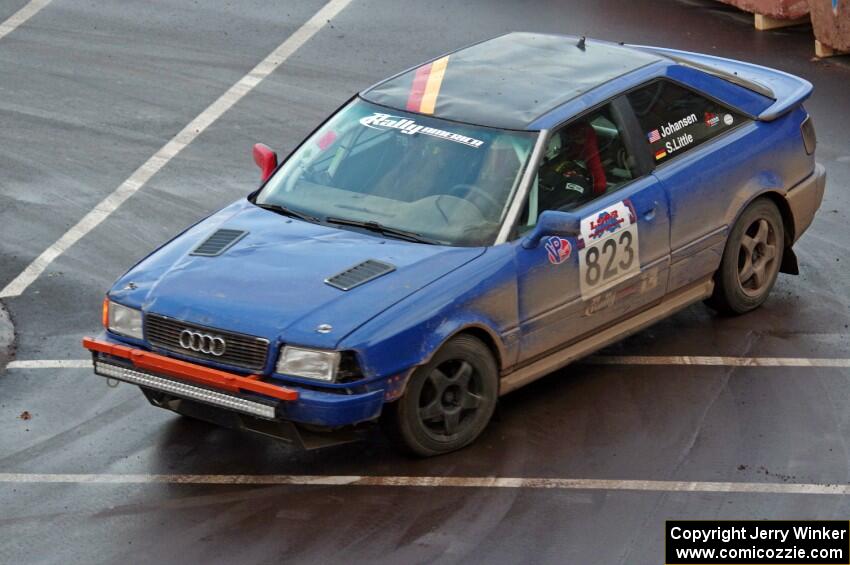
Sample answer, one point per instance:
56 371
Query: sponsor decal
728 119
648 281
660 154
711 119
672 127
558 249
426 86
607 221
410 127
653 136
608 249
600 302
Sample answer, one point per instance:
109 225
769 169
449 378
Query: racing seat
573 171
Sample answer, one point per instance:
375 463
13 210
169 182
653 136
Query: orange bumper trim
190 371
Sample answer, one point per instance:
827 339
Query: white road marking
433 482
188 134
52 364
595 360
15 20
717 361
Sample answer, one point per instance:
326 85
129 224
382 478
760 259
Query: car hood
270 283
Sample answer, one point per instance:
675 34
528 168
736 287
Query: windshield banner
410 127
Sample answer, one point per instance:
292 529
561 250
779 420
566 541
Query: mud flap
789 262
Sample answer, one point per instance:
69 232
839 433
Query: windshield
445 181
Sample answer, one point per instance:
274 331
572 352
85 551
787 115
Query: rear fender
789 263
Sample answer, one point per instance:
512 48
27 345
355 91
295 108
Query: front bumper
805 198
228 392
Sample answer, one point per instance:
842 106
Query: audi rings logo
202 343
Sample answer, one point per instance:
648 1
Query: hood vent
219 242
360 274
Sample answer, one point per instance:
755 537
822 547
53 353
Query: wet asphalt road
90 90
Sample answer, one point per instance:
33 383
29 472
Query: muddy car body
465 227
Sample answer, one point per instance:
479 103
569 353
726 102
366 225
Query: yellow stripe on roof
432 87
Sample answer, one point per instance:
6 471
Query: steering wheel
472 189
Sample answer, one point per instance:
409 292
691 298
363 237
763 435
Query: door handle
649 214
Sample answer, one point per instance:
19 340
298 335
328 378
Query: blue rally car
464 228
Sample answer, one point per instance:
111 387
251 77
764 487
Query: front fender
480 296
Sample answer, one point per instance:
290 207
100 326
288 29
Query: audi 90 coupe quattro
464 228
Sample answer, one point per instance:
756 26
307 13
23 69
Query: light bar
184 390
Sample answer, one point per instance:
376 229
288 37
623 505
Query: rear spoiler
786 90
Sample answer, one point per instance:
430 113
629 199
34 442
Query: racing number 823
608 255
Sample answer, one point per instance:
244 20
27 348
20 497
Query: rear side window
675 119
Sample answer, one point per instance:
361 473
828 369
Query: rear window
675 119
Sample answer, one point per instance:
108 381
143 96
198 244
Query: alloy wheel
449 399
757 257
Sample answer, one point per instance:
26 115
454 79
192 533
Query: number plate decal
608 249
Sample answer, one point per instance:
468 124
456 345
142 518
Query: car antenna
582 40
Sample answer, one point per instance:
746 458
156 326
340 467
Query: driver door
569 287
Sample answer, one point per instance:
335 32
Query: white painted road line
596 360
716 361
433 482
15 20
52 364
186 136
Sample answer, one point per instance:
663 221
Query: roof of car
508 81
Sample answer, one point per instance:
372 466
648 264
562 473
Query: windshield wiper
382 229
284 211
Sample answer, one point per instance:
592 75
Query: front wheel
448 401
751 260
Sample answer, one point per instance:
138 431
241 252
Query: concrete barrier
770 14
831 22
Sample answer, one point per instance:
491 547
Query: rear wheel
448 401
751 260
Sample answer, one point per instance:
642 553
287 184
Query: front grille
241 350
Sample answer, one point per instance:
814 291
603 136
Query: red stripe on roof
420 79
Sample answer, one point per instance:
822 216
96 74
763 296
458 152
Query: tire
448 401
751 260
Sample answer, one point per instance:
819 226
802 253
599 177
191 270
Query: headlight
123 321
308 363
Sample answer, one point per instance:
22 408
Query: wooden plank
823 50
764 23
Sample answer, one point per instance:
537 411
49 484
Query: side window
585 159
676 119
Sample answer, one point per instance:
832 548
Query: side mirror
266 159
551 222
